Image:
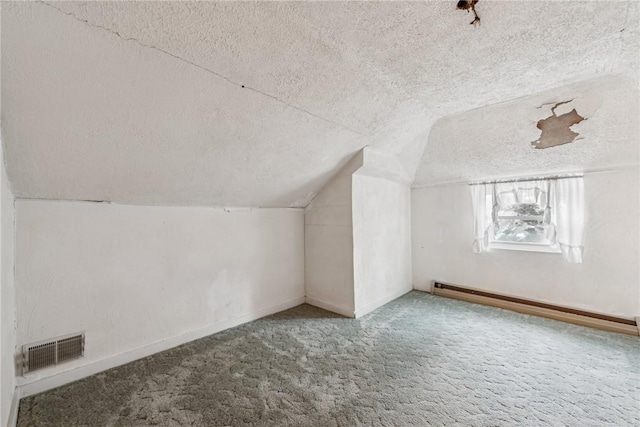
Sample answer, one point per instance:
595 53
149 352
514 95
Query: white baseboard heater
565 314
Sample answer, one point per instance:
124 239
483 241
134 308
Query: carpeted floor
420 360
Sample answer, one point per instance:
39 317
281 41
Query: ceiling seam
221 76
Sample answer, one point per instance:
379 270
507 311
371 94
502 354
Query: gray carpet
420 360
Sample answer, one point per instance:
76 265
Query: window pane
521 231
521 209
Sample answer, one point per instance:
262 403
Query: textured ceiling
495 141
258 104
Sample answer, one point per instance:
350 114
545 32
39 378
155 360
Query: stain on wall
556 130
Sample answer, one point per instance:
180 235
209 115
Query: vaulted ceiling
260 103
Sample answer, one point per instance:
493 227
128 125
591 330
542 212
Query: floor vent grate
51 352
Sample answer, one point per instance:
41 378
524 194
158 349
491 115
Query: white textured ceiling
143 102
495 141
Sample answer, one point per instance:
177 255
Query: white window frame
564 210
521 246
553 248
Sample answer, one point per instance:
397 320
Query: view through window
519 216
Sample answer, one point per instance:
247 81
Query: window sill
529 247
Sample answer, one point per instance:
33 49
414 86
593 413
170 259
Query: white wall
7 300
358 237
608 281
140 279
328 244
382 241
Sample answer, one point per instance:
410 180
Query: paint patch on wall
556 130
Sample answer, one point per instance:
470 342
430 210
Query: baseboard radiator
565 314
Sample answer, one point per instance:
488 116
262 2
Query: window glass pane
521 209
519 214
521 231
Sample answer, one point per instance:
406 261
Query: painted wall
7 298
132 277
608 280
382 241
328 244
358 237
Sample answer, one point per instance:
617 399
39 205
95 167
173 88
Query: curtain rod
539 178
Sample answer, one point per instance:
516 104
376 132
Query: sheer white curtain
569 217
529 191
481 221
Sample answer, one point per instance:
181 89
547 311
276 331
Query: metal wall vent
51 352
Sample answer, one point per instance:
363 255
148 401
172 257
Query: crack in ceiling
135 40
174 117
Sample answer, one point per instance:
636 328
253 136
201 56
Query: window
521 214
540 215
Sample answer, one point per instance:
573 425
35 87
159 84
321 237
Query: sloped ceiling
258 104
496 141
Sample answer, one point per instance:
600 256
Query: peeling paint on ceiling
494 141
260 103
556 130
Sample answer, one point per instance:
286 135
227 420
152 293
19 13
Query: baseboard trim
13 412
576 319
382 301
329 307
28 388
